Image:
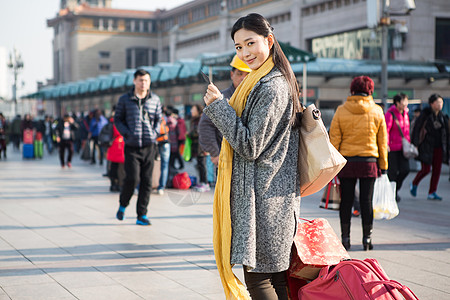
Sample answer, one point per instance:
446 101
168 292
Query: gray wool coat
265 194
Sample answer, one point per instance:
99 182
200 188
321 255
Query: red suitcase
28 136
355 279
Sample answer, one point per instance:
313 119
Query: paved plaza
59 238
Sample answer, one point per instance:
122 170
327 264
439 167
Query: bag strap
310 221
403 289
328 194
398 124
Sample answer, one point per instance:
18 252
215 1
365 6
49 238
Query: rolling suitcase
38 149
355 279
28 136
28 151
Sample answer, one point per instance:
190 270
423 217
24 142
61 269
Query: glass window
104 54
104 67
198 13
129 59
141 57
442 47
214 8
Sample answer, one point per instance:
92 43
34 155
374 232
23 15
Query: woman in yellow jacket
358 131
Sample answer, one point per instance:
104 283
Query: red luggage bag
355 279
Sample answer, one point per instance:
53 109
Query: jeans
138 169
164 153
49 143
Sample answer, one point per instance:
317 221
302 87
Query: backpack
355 279
106 135
163 136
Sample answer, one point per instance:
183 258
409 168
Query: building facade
92 39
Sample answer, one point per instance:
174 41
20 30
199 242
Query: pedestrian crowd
245 143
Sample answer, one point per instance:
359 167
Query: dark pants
138 169
201 166
16 141
365 199
100 149
437 164
174 156
266 286
114 173
398 168
63 145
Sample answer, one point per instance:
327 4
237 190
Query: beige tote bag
318 161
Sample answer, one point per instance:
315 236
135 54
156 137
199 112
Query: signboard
359 44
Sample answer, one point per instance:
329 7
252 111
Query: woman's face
252 48
437 105
194 112
402 104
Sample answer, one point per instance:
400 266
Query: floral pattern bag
316 245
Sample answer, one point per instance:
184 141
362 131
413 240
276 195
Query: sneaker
413 190
202 187
69 165
143 220
434 196
120 213
356 213
160 192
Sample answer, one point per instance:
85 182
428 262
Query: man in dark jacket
138 119
210 138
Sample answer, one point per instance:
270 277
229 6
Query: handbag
318 161
187 153
316 245
331 198
409 150
384 203
355 279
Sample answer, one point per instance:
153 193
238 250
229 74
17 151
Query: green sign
197 97
392 93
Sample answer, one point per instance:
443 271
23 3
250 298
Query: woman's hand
212 94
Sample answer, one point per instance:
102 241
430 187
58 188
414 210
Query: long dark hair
259 25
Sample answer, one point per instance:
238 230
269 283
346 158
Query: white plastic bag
384 203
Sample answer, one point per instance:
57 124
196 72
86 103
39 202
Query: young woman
397 116
358 131
256 201
431 136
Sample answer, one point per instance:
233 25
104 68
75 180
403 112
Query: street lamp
385 22
15 63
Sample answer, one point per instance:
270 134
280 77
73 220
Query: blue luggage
28 151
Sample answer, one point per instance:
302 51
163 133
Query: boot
345 234
367 239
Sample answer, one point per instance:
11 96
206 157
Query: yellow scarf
233 288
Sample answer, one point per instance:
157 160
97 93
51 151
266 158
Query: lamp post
384 22
15 63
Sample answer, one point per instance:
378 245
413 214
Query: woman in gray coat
265 197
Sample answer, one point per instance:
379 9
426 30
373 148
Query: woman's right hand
212 94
